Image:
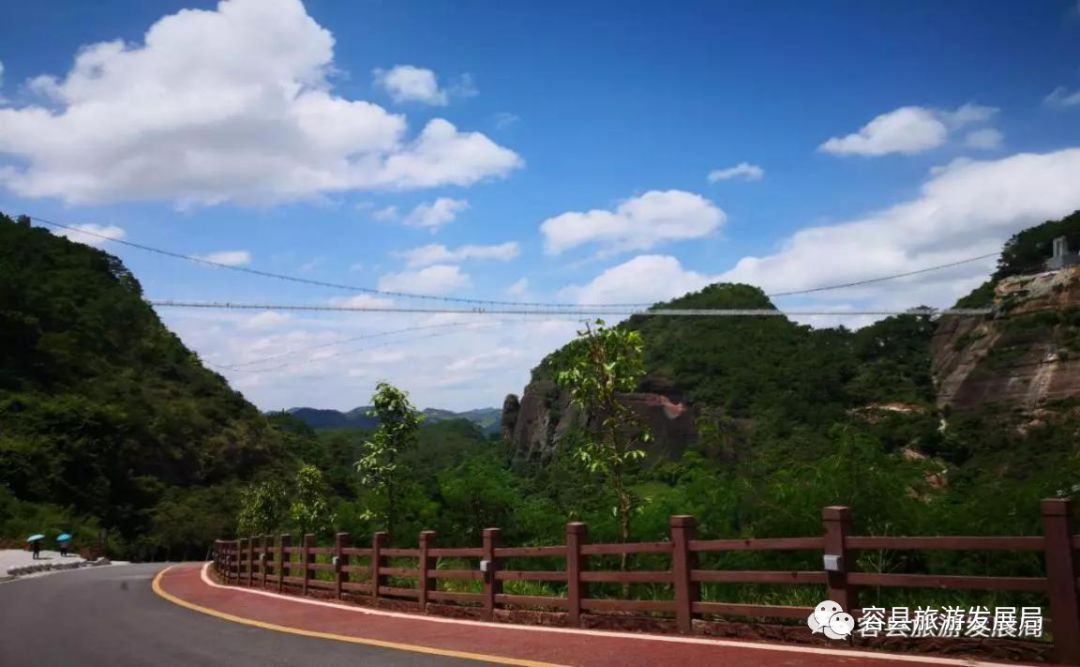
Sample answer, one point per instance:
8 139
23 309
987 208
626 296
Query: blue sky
566 157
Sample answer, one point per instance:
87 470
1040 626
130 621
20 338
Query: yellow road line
464 655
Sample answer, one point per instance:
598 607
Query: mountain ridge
488 419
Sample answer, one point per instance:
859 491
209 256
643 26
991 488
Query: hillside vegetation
107 420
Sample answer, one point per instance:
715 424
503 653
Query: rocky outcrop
1024 355
511 408
545 416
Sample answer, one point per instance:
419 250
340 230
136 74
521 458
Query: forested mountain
982 409
106 419
486 418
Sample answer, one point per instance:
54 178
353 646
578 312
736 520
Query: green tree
310 508
603 363
378 466
262 508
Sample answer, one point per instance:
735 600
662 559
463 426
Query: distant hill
486 418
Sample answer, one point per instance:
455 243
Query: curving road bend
108 616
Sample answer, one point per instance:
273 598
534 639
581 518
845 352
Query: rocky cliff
1024 356
545 416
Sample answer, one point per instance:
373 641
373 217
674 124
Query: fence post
837 520
577 534
492 586
341 540
1061 575
241 560
378 541
426 563
251 561
308 558
284 541
683 562
264 547
239 551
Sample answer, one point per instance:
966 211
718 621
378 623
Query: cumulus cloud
228 257
437 279
407 83
519 287
750 172
224 105
966 209
435 214
643 279
96 235
440 254
907 130
1061 97
386 213
636 224
985 139
470 365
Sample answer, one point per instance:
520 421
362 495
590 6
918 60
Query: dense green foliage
378 466
603 363
104 414
1027 250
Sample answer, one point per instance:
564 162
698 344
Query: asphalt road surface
109 616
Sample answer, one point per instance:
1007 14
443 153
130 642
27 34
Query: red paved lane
553 646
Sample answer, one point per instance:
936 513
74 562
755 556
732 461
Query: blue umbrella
35 537
64 537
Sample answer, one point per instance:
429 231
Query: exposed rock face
1013 357
546 416
511 408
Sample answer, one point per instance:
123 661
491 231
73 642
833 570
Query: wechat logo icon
831 619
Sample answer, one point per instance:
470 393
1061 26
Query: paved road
110 616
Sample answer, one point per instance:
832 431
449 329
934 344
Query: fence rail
414 573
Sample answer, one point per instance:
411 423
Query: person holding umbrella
64 539
35 544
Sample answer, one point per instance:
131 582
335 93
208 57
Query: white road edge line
873 655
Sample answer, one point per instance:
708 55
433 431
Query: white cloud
643 279
518 288
362 301
907 130
386 213
266 320
967 114
436 280
436 253
505 119
636 224
225 105
462 367
407 83
1061 97
986 139
963 210
94 237
228 257
436 214
750 172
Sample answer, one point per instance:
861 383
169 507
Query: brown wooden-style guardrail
378 572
